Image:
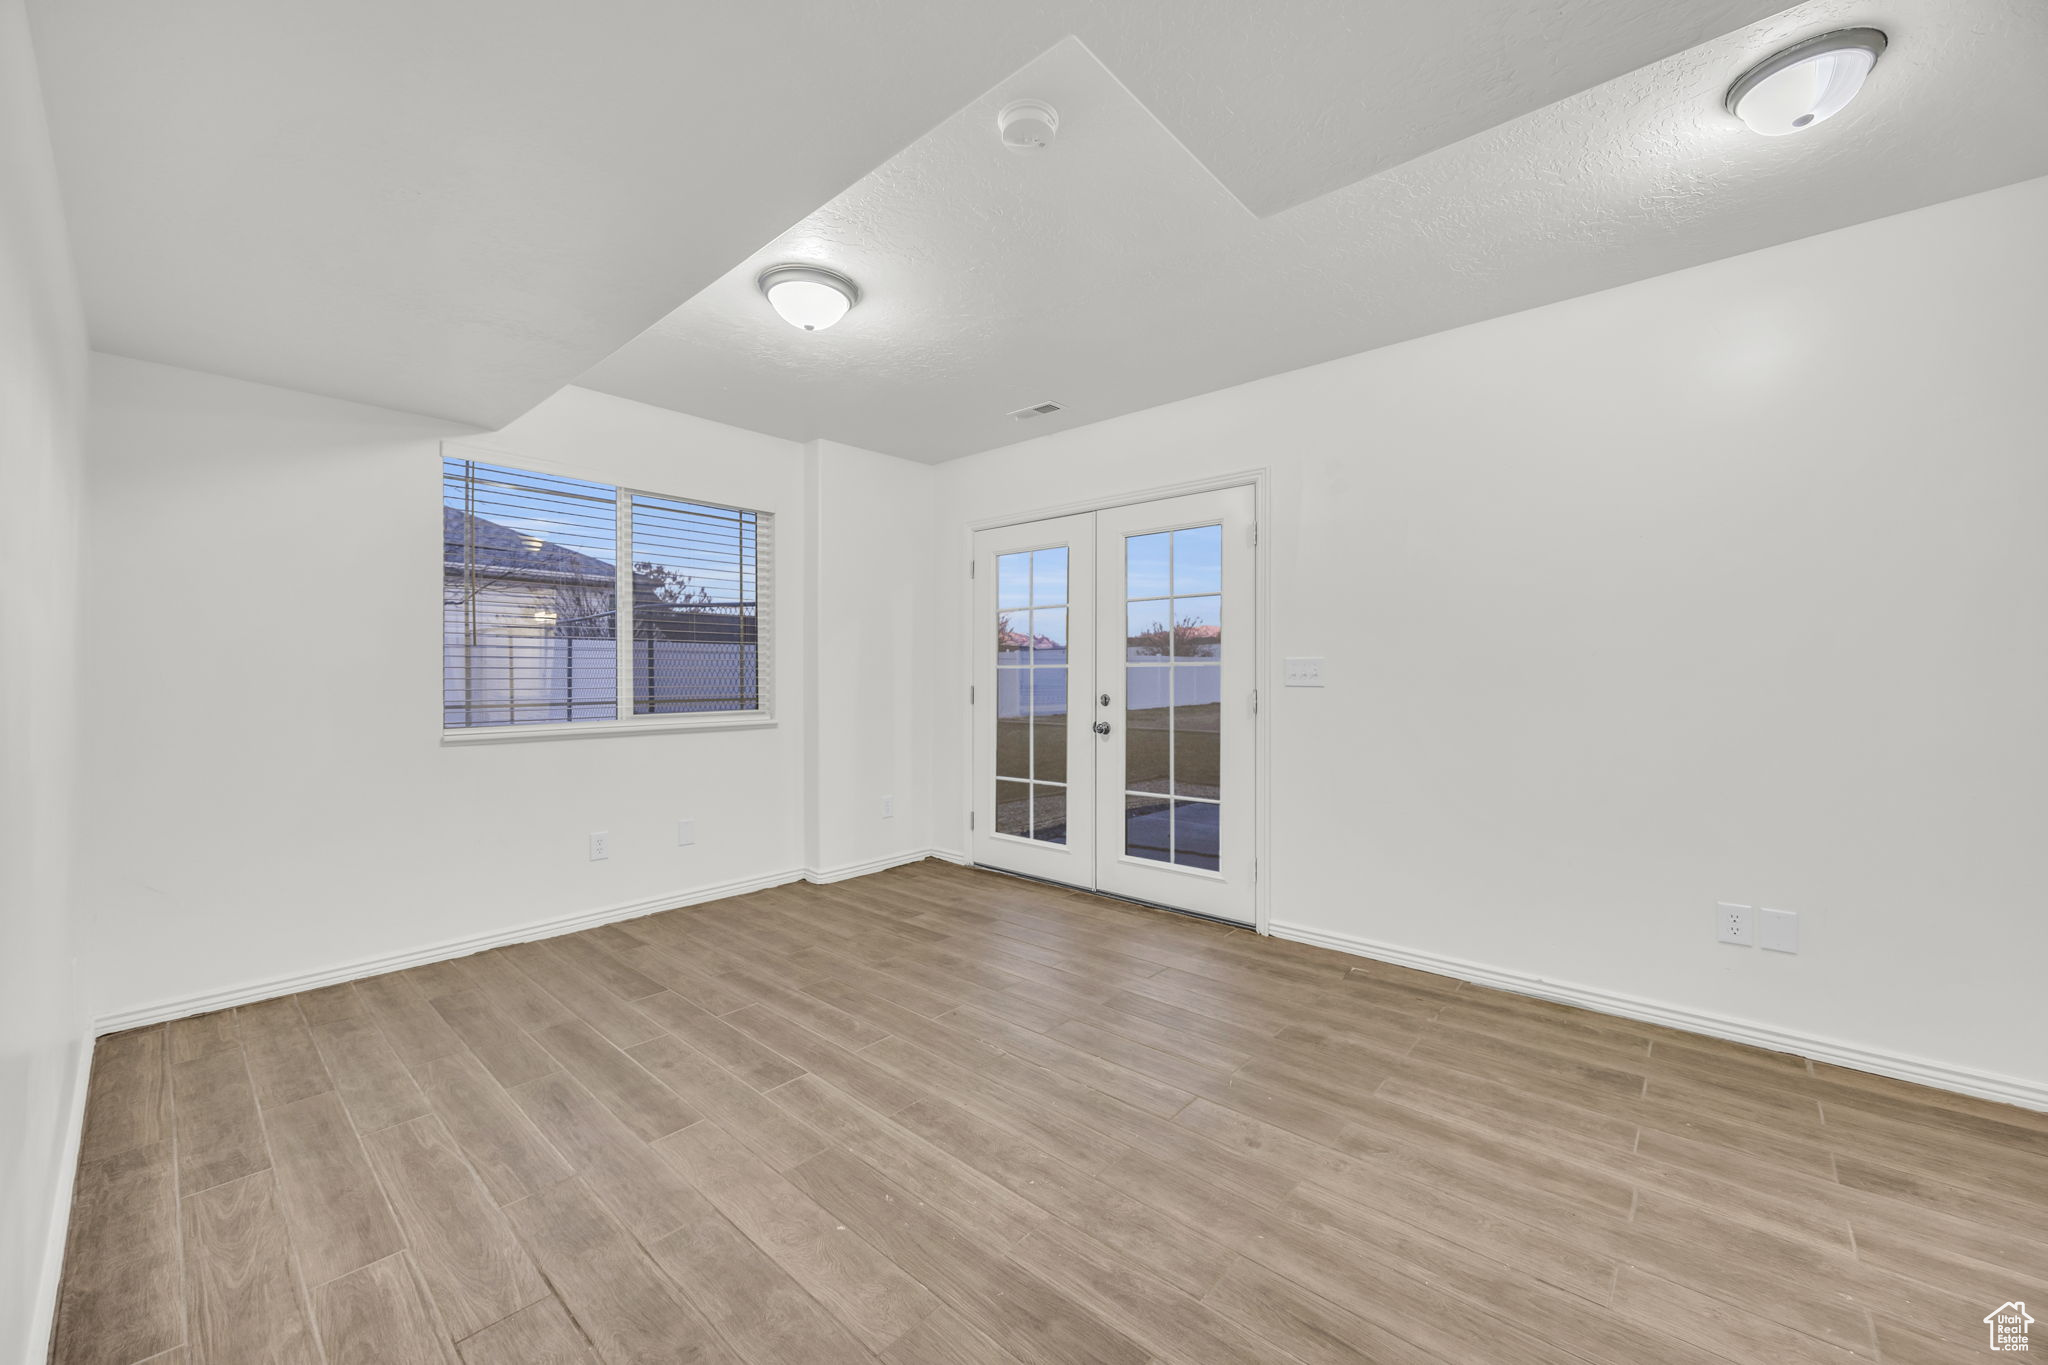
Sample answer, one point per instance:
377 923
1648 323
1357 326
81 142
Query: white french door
1034 754
1113 701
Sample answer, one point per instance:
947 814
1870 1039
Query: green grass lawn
1145 748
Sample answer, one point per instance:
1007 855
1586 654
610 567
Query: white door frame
1260 482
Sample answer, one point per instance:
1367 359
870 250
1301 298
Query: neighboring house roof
502 550
505 556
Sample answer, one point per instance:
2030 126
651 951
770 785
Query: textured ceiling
455 206
1121 269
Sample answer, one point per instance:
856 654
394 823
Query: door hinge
970 694
1255 533
972 565
1255 701
970 819
1255 872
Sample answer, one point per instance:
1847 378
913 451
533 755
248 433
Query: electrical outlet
888 808
1778 930
1735 924
686 833
600 845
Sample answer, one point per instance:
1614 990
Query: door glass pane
1013 638
1148 729
1048 813
1197 720
1149 630
1148 827
1013 723
1195 833
1031 694
1197 561
1013 808
1049 576
1048 724
1198 627
1148 565
1173 631
1013 580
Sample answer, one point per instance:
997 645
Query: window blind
698 637
535 570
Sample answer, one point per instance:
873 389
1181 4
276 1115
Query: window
565 601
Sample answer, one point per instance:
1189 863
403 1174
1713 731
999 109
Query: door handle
1101 727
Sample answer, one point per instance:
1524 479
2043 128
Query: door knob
1101 727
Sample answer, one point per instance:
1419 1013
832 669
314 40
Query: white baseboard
1988 1085
825 875
270 988
43 1323
1941 1075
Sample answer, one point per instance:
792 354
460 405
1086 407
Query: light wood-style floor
938 1116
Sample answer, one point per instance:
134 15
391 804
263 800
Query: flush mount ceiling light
808 296
1807 83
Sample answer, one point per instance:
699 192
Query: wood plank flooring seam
476 1175
552 1292
178 1220
311 1283
305 1293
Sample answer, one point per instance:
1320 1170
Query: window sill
594 729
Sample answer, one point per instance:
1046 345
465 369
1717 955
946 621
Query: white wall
1727 585
263 804
43 1022
872 684
241 832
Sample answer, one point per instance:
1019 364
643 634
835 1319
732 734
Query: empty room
1251 682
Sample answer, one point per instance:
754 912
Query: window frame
761 717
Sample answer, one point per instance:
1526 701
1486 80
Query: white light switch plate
686 832
1778 930
1304 672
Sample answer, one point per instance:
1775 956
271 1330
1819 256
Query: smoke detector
1036 410
1028 125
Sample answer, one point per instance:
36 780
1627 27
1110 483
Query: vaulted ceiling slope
1114 271
455 206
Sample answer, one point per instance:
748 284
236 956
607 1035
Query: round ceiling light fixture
1807 83
808 296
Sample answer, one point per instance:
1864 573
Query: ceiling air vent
1037 410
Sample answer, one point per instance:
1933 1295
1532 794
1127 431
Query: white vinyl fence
1147 688
533 680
